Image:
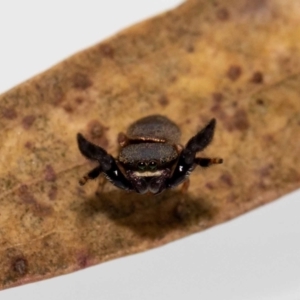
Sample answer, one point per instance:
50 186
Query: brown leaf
234 62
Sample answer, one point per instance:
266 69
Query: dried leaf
237 61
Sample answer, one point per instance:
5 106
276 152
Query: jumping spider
150 157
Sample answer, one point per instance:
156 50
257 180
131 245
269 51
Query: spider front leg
93 174
187 160
107 164
206 162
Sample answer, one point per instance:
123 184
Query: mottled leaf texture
236 60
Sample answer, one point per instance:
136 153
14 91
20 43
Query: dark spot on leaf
68 108
163 100
234 72
42 210
231 198
20 266
58 97
216 108
210 185
50 174
9 113
257 77
227 179
96 133
79 100
52 194
266 170
217 97
240 120
255 6
27 121
29 145
173 79
222 14
217 105
107 50
81 81
268 139
190 48
82 260
260 101
50 90
96 129
26 195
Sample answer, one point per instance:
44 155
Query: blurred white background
256 256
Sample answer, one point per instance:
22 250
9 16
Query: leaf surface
237 61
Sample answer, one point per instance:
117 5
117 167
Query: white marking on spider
147 173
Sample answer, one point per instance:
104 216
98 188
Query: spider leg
199 142
107 163
206 162
90 175
94 152
117 178
187 159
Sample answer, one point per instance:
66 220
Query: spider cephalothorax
151 158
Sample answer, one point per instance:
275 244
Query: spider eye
141 166
152 165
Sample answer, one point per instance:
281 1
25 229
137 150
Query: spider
150 157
